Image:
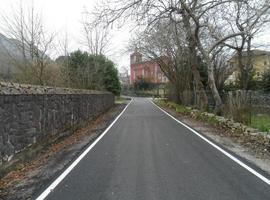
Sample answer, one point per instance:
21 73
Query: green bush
265 83
82 70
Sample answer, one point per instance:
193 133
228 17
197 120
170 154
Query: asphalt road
147 155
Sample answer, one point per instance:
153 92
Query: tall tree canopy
199 28
83 70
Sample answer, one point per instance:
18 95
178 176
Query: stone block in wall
26 119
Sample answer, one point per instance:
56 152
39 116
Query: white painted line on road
263 178
51 187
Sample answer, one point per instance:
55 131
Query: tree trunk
241 68
249 66
200 91
212 83
211 80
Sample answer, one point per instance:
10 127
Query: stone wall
27 119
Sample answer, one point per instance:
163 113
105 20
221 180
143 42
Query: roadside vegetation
206 43
29 49
122 100
143 87
198 37
240 133
87 71
259 121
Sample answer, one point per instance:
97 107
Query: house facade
260 61
149 70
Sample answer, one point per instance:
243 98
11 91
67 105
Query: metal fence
248 107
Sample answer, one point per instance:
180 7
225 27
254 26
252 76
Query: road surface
146 155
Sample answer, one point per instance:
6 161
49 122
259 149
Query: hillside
9 56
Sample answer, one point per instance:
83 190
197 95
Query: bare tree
200 14
64 59
96 37
26 28
222 69
245 19
149 13
163 44
193 15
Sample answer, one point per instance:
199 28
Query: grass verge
122 100
259 141
261 122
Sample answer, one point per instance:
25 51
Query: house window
265 62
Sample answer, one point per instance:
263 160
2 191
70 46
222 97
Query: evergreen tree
266 80
92 72
110 78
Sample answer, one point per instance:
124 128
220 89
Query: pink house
148 70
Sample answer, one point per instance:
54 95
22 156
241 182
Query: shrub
266 80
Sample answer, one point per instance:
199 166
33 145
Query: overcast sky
62 16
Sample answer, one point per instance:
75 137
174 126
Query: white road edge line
53 185
264 179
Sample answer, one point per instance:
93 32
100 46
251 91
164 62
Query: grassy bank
261 122
122 100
